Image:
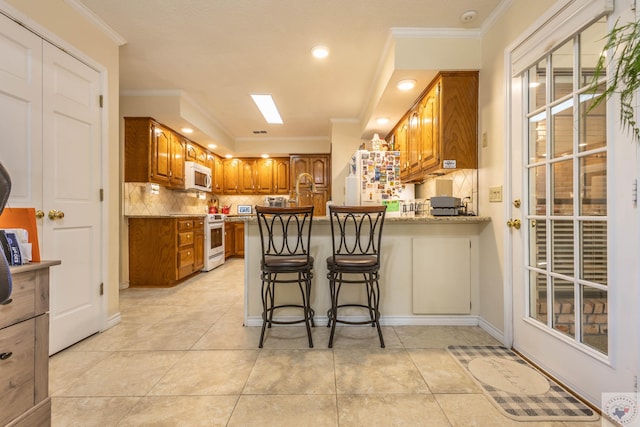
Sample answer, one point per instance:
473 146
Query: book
15 256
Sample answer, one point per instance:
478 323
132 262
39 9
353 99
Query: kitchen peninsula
429 271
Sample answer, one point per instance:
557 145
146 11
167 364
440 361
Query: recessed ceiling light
228 156
187 130
212 146
320 52
468 16
268 108
382 120
264 156
406 84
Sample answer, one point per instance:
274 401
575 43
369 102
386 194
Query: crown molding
97 21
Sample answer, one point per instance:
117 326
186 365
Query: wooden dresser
24 348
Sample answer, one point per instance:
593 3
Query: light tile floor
181 357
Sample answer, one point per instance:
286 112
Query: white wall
518 16
345 140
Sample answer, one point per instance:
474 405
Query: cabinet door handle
5 356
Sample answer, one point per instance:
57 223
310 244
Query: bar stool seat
356 233
285 235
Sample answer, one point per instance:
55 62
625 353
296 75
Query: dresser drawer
17 379
23 300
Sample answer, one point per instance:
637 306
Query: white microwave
197 177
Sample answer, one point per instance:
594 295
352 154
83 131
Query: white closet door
21 112
72 183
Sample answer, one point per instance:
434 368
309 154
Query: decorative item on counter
213 206
226 209
244 209
376 143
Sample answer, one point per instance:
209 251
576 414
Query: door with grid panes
560 247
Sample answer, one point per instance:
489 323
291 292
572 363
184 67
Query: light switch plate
495 194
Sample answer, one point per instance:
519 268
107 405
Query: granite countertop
428 219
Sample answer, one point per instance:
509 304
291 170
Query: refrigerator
374 178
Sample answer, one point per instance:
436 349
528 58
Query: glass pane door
567 202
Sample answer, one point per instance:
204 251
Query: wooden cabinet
440 133
153 153
281 176
319 167
247 179
218 173
231 175
24 342
164 250
233 239
255 176
198 244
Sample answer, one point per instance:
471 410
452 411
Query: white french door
51 125
559 172
71 149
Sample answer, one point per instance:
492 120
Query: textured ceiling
216 52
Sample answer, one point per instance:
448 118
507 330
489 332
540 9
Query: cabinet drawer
185 257
185 239
185 225
17 372
23 300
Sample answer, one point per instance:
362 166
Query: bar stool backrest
356 230
284 232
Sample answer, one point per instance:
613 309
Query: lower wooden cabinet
165 250
24 344
233 239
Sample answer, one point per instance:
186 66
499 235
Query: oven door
214 249
216 237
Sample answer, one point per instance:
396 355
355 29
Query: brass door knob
39 214
515 223
55 214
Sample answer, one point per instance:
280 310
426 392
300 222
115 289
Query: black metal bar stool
285 234
356 233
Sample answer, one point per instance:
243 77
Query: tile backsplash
139 200
465 184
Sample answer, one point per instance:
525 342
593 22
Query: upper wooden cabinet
217 169
247 176
153 153
281 175
319 166
440 133
231 175
254 176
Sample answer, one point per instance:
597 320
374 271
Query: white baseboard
417 320
123 285
491 330
113 321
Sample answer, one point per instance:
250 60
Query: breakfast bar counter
429 270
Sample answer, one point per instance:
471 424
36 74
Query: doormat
517 389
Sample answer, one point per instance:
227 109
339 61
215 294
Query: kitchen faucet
296 200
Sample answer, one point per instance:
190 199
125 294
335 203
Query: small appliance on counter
445 206
275 201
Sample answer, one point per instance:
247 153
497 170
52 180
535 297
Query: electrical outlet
495 194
